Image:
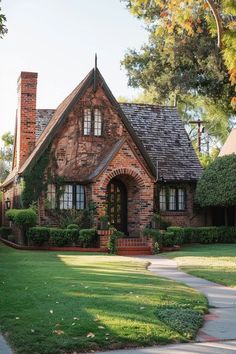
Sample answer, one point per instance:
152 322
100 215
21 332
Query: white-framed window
97 122
92 124
51 196
87 121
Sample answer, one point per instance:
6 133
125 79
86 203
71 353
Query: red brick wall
190 217
26 117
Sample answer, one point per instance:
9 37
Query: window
162 197
51 196
80 197
172 199
181 199
92 122
97 122
87 121
73 197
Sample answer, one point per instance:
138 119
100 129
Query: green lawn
58 302
213 262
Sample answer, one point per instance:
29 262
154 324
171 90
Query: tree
180 17
217 186
6 155
3 29
182 63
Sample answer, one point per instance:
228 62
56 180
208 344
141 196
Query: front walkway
218 335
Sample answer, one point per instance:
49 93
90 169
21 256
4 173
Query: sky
58 39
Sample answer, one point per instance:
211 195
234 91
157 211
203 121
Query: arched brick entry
139 197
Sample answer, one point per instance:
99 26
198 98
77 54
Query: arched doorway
117 204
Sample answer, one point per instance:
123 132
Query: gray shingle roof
164 137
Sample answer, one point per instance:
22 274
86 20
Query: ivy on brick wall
35 181
217 186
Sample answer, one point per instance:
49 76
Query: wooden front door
117 204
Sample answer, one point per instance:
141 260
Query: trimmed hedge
73 226
38 235
22 217
87 237
204 235
155 234
5 231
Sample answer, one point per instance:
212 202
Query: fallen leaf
51 311
142 308
101 327
90 335
58 331
76 318
32 330
17 318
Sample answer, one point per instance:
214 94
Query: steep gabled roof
229 146
164 137
62 112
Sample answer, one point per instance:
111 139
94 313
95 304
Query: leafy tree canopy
182 60
6 155
217 186
3 29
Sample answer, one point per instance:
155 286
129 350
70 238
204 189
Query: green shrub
205 235
22 217
73 226
72 235
38 235
168 239
87 237
154 234
11 238
58 237
112 243
178 234
5 231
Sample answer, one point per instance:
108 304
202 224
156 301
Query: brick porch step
132 242
134 251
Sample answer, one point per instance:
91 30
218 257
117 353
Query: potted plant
104 222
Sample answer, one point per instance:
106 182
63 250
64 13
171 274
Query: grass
57 302
212 262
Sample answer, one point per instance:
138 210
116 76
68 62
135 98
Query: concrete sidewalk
228 347
4 347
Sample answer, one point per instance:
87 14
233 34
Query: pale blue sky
58 39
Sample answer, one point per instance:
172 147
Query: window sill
174 212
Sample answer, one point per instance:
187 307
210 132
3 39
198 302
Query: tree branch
218 21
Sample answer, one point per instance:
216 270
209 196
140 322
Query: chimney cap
27 75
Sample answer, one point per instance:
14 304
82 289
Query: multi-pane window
66 198
87 121
97 122
162 199
70 196
172 199
92 122
51 196
79 197
181 199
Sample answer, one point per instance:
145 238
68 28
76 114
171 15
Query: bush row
212 234
22 217
182 235
62 237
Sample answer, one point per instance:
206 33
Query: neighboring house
130 159
229 146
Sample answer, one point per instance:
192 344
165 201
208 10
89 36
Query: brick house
128 158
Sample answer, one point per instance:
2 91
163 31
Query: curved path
218 335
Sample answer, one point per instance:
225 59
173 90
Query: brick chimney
26 116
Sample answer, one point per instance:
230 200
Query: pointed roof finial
95 73
96 61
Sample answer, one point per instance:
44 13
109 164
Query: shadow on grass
49 304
